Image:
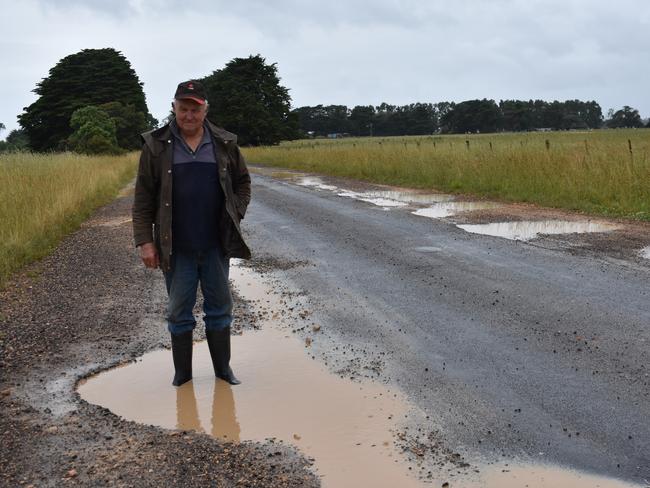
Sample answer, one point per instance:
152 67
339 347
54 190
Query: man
191 191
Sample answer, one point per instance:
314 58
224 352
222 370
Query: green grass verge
605 172
43 197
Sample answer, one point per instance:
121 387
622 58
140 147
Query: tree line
453 118
93 102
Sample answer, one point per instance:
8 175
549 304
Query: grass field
44 197
605 172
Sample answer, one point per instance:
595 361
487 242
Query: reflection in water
224 418
370 198
187 413
446 209
392 198
524 231
315 182
345 426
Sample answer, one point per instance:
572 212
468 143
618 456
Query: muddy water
285 395
346 427
524 231
516 476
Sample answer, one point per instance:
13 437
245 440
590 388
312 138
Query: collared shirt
197 196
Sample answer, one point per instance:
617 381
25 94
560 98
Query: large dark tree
89 77
246 97
473 116
626 117
362 120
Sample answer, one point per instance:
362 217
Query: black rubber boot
182 354
219 344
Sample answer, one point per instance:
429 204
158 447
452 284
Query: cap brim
200 101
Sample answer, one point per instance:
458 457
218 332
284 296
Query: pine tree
89 77
246 98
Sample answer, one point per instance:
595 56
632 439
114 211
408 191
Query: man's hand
149 255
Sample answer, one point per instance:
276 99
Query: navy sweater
197 196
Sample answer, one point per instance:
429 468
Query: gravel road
527 352
514 350
89 306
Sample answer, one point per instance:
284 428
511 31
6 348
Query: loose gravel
88 306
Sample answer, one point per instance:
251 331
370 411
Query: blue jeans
188 270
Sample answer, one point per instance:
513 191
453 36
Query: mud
350 430
89 306
345 427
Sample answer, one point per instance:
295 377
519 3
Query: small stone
71 473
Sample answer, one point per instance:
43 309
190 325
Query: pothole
315 182
527 230
397 198
373 197
645 252
286 395
447 209
348 428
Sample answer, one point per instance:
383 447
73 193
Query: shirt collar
173 127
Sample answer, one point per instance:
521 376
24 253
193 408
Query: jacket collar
164 135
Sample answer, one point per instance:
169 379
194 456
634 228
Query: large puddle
285 394
448 209
525 230
347 427
382 198
443 205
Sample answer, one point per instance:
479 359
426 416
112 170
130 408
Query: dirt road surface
89 306
536 351
533 350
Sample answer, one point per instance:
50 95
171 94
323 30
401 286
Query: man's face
189 116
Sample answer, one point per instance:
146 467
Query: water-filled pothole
447 209
315 182
527 230
382 198
285 394
347 427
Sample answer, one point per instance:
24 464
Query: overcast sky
350 52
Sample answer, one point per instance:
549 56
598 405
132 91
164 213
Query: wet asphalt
515 351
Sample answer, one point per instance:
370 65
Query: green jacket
152 206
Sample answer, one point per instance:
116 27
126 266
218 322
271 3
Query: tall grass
44 197
593 171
